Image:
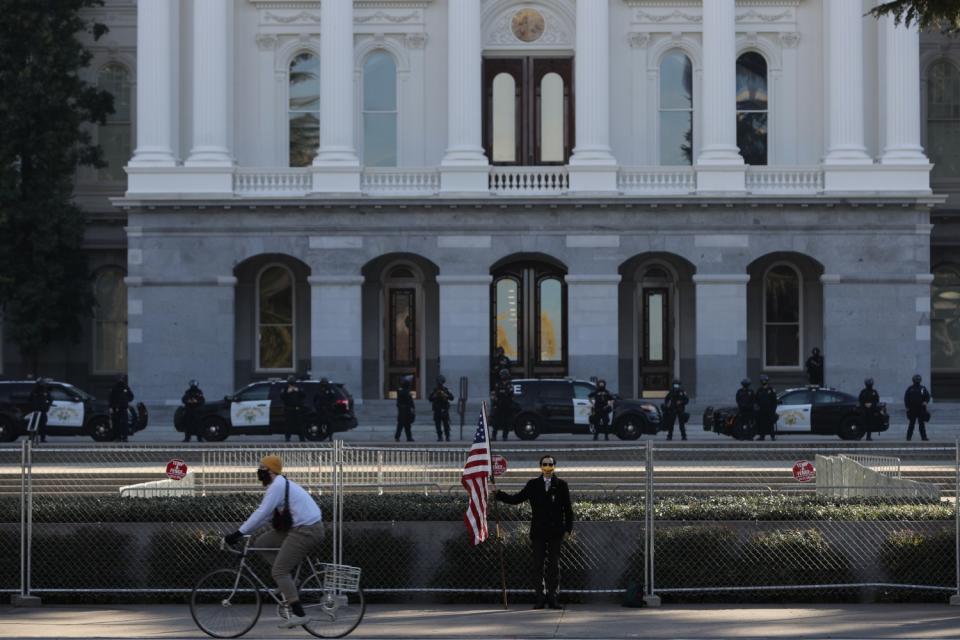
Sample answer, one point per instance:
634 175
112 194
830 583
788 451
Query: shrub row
446 507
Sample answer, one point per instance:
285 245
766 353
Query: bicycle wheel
225 604
333 614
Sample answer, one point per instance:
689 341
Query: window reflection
945 318
380 110
275 318
782 317
655 328
551 118
304 109
508 317
114 135
752 108
943 119
551 320
676 109
504 118
110 321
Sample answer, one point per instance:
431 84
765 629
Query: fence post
649 562
24 599
955 598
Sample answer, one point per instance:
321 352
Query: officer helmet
745 382
601 383
194 383
764 379
504 374
868 382
406 381
676 383
816 351
324 382
441 380
291 379
916 378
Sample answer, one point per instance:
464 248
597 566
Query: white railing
785 180
400 182
272 182
549 180
657 180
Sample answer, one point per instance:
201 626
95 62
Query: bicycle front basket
341 577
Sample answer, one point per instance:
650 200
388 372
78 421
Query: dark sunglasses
547 464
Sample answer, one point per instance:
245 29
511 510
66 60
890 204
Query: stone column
593 327
720 166
464 168
721 310
158 49
465 332
336 333
592 165
336 167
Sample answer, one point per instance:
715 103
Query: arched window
676 109
504 118
943 119
114 136
945 318
752 108
550 320
781 317
275 313
380 110
304 109
507 304
110 321
550 137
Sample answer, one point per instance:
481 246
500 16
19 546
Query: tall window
550 320
781 318
275 313
752 108
943 119
380 110
304 109
110 321
114 136
945 318
676 109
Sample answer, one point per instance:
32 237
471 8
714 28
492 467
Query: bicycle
226 603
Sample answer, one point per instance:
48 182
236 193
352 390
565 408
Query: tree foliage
45 104
943 15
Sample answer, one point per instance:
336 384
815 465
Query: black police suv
258 410
812 410
73 412
563 406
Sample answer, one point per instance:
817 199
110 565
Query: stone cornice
358 4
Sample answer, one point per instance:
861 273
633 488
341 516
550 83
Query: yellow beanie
274 463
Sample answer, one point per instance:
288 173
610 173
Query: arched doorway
402 326
528 298
657 332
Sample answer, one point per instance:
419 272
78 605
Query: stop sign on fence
499 465
803 471
176 469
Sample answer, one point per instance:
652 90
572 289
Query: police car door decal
65 413
581 411
793 417
250 413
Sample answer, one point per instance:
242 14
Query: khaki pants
294 545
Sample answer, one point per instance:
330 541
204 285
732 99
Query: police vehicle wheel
214 430
850 430
629 429
7 431
317 430
527 427
101 430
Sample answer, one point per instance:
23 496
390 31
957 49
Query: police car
563 406
819 411
257 409
73 412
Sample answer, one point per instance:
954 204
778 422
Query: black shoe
669 437
186 439
552 602
409 439
540 602
397 439
606 437
439 438
448 438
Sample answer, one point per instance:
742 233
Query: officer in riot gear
406 409
292 398
120 398
746 405
868 407
915 399
601 402
40 402
814 366
192 401
440 399
324 404
766 409
500 362
675 409
502 397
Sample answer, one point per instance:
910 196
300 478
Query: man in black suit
552 520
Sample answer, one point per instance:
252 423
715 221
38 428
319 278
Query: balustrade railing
548 180
392 182
272 182
657 180
785 180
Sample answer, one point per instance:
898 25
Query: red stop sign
499 465
803 471
176 469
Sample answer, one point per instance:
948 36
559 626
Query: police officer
40 402
502 405
440 399
675 404
766 409
815 368
192 400
120 398
406 409
746 403
292 398
601 407
500 362
868 405
324 403
915 400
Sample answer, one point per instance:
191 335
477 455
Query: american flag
476 472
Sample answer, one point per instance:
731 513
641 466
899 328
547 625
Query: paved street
438 622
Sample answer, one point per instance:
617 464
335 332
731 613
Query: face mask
263 475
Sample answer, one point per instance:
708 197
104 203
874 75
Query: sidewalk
385 622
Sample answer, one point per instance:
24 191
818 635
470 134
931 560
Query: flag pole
496 508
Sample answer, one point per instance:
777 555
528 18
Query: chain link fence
685 521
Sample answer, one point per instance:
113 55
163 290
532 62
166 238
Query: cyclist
294 544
